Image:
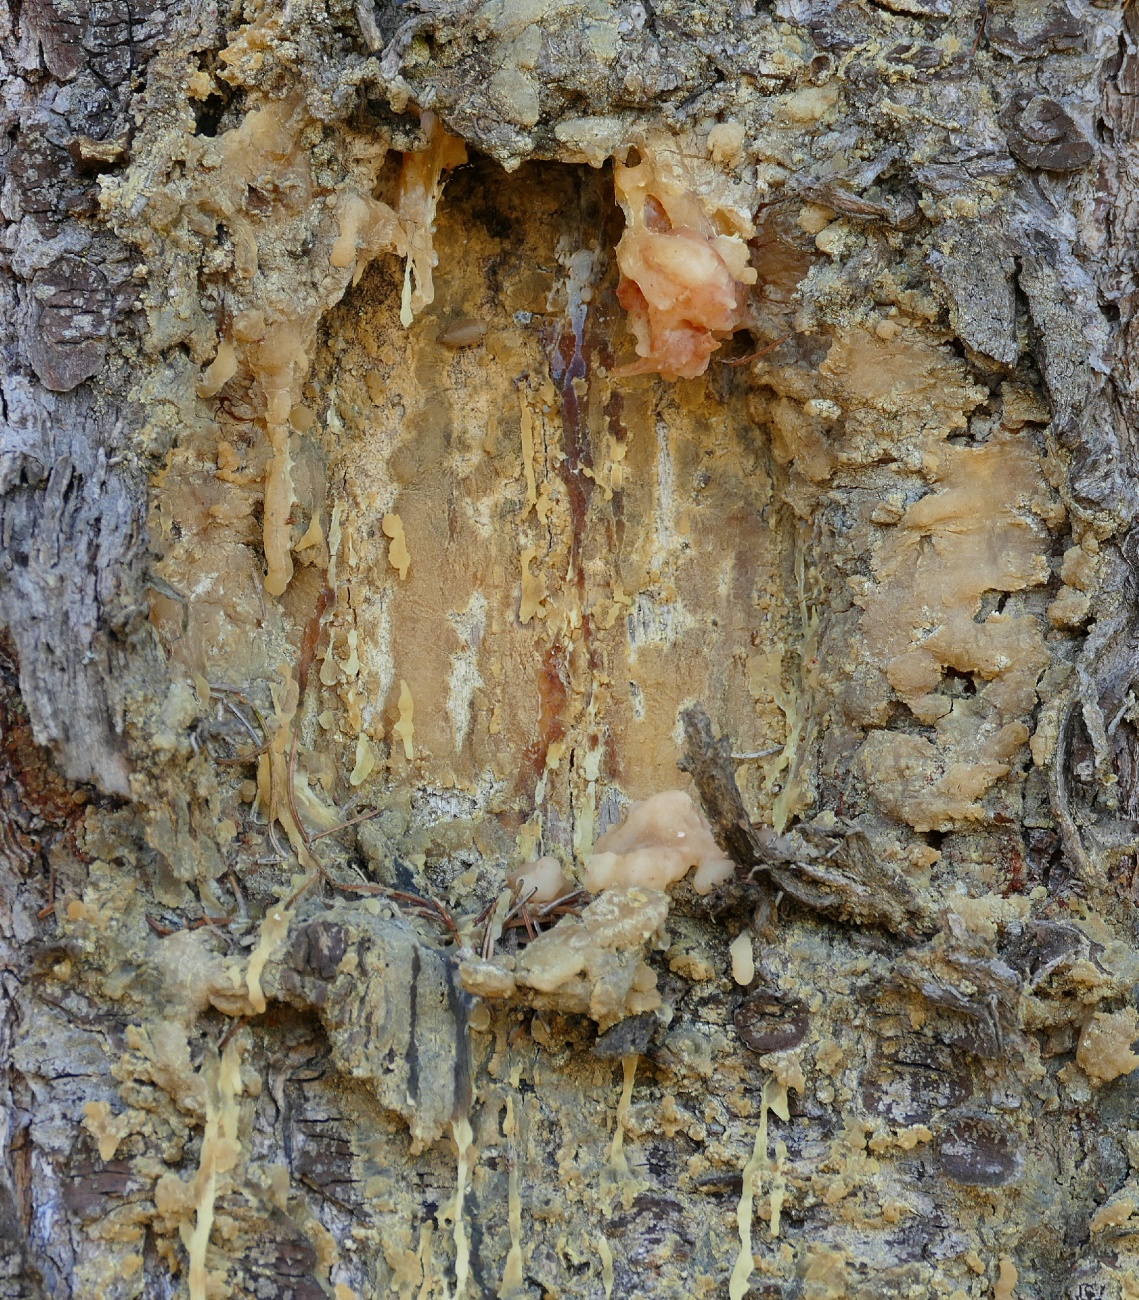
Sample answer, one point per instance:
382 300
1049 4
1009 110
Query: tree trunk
427 431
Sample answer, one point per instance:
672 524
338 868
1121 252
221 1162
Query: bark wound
890 556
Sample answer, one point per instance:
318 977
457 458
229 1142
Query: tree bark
364 542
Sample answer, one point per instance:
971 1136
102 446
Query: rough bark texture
349 564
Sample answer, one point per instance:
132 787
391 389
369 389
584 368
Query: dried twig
49 907
753 356
290 788
305 886
237 713
277 846
261 743
199 924
343 826
531 930
246 756
830 867
567 903
311 637
224 1040
431 908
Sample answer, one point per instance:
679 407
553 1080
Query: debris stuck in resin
684 264
657 844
